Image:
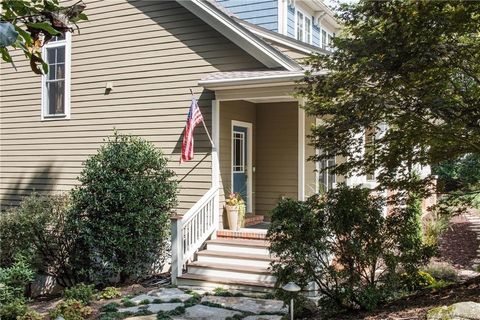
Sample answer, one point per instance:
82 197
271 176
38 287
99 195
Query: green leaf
5 55
25 35
45 27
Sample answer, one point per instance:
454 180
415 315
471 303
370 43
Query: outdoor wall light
291 287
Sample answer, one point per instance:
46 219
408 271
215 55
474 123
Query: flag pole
204 125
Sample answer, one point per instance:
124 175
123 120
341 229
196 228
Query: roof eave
245 39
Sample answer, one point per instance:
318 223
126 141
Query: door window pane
238 152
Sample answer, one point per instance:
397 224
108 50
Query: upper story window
56 83
304 27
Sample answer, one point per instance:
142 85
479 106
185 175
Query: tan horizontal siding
276 172
153 52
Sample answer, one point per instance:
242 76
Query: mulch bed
415 307
458 246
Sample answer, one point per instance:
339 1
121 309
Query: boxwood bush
122 209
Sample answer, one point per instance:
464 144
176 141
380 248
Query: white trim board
249 127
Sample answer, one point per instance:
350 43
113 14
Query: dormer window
304 27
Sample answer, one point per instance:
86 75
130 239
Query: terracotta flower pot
232 216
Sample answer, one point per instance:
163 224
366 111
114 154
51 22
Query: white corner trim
68 69
259 49
249 127
301 150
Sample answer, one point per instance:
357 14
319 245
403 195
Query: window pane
307 30
299 26
324 39
56 97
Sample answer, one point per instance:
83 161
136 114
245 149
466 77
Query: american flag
194 117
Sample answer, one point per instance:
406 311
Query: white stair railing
191 230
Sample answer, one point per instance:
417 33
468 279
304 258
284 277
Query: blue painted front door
239 161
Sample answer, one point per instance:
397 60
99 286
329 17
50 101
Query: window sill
55 117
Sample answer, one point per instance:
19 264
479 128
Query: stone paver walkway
177 304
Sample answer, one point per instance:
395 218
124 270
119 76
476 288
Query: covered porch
259 133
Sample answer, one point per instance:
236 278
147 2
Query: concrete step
230 272
242 246
211 282
235 259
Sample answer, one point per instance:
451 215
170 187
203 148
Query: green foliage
14 280
26 23
441 271
167 315
122 209
343 243
128 303
433 227
409 70
110 293
40 229
462 173
418 280
144 302
13 283
221 292
13 308
71 310
110 307
30 315
81 292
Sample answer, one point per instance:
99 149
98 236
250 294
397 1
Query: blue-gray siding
263 13
291 21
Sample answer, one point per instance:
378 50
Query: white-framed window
303 27
326 177
324 39
56 83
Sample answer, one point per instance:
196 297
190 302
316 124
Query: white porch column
215 160
301 150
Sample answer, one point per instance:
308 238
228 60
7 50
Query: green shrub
13 282
12 309
40 228
110 293
441 271
341 241
81 292
433 228
122 208
30 315
110 307
128 303
71 310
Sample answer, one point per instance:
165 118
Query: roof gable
232 30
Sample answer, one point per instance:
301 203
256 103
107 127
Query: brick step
252 219
252 234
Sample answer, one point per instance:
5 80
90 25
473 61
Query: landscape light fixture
291 287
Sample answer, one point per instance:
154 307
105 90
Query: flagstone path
177 304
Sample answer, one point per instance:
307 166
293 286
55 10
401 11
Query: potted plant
232 205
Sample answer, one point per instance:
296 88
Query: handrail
191 230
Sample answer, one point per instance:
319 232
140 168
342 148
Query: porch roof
246 79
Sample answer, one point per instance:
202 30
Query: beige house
131 68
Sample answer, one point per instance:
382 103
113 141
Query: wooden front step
240 264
